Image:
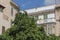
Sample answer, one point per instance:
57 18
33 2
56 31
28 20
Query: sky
29 4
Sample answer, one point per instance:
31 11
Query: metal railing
49 20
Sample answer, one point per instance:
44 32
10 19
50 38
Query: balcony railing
43 21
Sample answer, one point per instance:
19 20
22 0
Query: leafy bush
25 28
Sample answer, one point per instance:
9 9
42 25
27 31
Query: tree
25 28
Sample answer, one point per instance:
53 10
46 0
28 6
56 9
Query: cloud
49 2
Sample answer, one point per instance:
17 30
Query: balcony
43 21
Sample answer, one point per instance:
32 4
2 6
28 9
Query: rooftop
40 9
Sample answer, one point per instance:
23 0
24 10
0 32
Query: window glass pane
11 11
51 15
45 16
49 28
1 9
40 17
3 29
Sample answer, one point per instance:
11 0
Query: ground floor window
3 29
50 28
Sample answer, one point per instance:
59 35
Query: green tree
25 28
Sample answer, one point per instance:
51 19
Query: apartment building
48 17
8 9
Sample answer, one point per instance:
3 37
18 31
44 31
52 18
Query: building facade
48 17
8 9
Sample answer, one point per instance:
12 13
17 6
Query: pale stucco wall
57 26
6 12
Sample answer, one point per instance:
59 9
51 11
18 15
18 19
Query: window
35 17
50 27
11 11
52 15
1 8
3 29
40 17
45 16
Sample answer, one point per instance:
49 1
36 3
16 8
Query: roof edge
14 4
40 9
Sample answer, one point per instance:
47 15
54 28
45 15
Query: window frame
3 29
12 11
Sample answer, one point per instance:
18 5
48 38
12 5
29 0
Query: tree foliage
25 28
